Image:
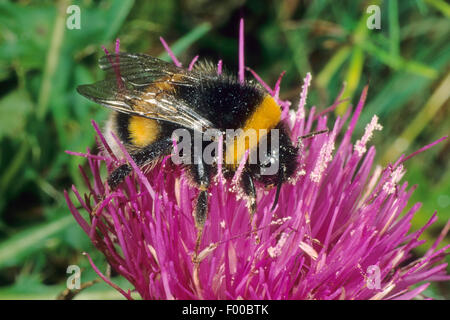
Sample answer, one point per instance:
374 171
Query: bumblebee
151 98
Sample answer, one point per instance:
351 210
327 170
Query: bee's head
279 161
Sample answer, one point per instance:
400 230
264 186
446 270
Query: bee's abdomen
143 131
137 131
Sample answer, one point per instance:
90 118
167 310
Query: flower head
339 230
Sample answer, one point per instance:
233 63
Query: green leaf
183 43
26 32
14 109
441 5
19 246
397 62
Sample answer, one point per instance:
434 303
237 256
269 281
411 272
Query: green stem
441 5
44 94
52 59
328 71
394 30
434 103
14 165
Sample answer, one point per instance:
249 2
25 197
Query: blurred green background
406 64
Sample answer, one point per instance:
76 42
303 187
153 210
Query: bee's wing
125 89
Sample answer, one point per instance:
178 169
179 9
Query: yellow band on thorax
265 117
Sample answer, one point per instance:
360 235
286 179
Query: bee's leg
118 176
141 157
201 211
248 187
201 174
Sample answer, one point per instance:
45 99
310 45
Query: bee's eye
269 159
269 163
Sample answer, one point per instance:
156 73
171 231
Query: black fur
122 120
222 100
118 176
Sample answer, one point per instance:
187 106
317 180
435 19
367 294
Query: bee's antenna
310 135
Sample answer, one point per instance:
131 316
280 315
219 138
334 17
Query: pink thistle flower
339 231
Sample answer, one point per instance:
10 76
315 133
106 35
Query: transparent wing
141 85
